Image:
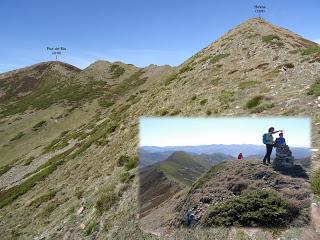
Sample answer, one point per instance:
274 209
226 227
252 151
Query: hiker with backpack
268 141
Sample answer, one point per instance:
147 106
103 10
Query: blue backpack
265 138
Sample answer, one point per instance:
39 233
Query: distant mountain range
248 150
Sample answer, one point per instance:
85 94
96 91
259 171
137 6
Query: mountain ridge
98 173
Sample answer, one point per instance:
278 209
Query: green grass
92 227
217 58
105 201
184 69
254 102
9 195
170 79
203 102
262 108
42 199
311 50
247 84
52 93
254 208
205 177
133 80
123 159
28 161
132 163
175 112
116 71
226 97
273 39
315 182
39 125
106 101
215 81
314 88
163 112
5 169
18 136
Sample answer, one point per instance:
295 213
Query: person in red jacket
240 156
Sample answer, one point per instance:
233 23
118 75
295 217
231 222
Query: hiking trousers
269 148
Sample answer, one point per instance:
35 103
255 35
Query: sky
140 32
205 131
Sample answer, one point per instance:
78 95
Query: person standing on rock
268 141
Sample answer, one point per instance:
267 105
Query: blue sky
205 131
140 32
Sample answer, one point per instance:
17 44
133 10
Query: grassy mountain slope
183 167
256 68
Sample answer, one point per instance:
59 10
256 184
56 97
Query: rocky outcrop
284 163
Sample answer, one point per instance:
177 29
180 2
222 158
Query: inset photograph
212 172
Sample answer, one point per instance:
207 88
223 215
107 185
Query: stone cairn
284 159
284 163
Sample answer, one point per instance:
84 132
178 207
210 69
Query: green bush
203 102
116 71
247 84
255 101
254 208
315 182
106 201
163 112
273 39
218 57
186 68
91 228
106 101
124 177
311 50
314 88
170 79
123 159
18 136
42 199
132 163
39 125
225 97
5 169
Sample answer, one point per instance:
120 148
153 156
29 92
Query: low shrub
315 182
42 199
39 125
106 201
116 71
132 163
169 79
254 208
311 50
314 88
203 102
217 58
18 136
255 101
247 84
91 228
